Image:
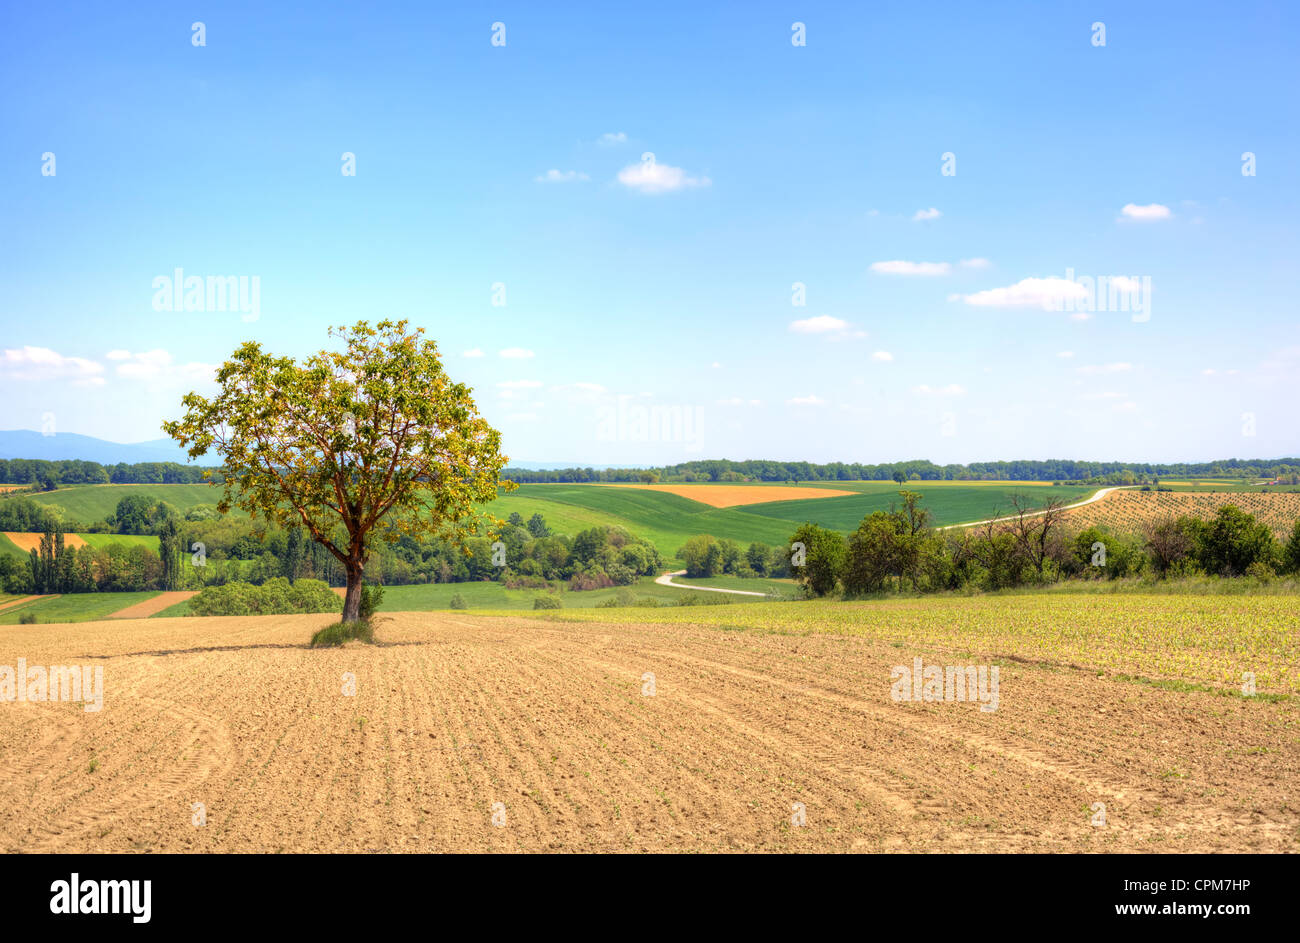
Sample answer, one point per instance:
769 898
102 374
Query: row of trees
35 471
193 554
705 555
1047 470
897 550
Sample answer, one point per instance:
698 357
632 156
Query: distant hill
24 443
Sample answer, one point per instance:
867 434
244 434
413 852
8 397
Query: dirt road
553 729
667 580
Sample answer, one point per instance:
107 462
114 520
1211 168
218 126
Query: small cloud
921 215
118 355
651 177
157 365
1081 316
739 401
821 324
42 363
900 267
809 400
1049 294
472 352
561 176
516 353
611 138
1099 368
1146 214
952 389
975 263
716 365
883 356
1066 354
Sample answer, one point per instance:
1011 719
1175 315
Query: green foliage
458 602
1291 552
372 595
27 618
375 431
824 553
548 602
275 596
1232 540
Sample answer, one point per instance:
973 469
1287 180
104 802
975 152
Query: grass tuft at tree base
340 632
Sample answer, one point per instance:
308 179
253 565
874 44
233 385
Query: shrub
547 602
341 632
27 618
458 601
371 596
274 597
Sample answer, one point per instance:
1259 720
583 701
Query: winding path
1069 507
667 580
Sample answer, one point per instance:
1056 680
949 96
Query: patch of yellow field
730 496
25 542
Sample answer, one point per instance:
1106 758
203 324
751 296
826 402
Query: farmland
1125 512
546 723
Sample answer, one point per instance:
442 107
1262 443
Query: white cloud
610 138
716 365
42 363
651 177
1081 316
472 352
561 176
975 263
1066 354
1049 294
900 267
822 324
883 356
739 401
809 400
516 353
1094 369
921 215
157 365
952 389
1146 214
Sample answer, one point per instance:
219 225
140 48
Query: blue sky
664 284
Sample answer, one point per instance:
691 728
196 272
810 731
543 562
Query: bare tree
1034 528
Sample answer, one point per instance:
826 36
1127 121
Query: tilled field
549 729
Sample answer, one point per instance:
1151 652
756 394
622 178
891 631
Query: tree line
722 470
43 473
898 551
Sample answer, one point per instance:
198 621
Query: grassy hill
667 520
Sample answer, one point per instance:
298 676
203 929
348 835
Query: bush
371 596
274 597
27 618
341 632
547 602
458 601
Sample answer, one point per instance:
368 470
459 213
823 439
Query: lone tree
371 442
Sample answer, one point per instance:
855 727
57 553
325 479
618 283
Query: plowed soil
453 714
164 600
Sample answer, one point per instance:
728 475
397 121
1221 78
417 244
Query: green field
74 607
88 503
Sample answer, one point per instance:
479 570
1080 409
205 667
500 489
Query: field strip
667 580
142 610
25 599
731 496
1069 507
30 541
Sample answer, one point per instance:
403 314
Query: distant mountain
24 443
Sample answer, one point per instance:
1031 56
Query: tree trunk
352 601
